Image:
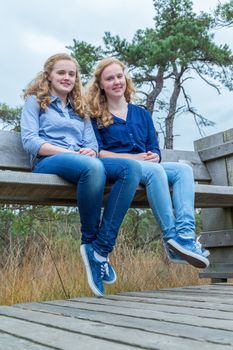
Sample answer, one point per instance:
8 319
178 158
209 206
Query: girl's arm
108 154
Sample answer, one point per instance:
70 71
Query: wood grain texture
192 317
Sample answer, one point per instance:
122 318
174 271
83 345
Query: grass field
55 271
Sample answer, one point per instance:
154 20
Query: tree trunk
152 96
169 121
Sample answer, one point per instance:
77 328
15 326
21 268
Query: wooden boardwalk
199 317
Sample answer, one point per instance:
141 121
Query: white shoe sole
113 281
91 283
193 259
177 261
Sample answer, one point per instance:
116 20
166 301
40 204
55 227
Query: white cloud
38 43
31 31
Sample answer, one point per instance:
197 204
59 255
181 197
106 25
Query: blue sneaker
205 252
172 256
176 259
110 276
95 269
189 250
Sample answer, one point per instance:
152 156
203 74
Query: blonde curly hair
96 98
40 86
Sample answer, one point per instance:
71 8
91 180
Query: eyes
63 72
112 77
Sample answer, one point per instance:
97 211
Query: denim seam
156 214
114 210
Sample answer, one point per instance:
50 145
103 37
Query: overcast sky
32 30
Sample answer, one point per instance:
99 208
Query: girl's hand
138 156
152 157
87 152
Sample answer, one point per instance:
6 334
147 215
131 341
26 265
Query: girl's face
62 78
112 81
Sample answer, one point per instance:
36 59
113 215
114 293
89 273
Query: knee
156 172
130 170
185 169
154 175
95 168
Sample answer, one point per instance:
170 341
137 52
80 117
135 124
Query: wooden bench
212 163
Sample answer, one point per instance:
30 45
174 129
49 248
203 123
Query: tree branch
198 118
206 81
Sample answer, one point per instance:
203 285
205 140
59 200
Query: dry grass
33 277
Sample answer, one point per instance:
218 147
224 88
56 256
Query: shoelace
104 269
199 245
204 251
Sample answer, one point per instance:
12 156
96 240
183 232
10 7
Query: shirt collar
56 98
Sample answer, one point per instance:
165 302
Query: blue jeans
157 177
89 175
124 175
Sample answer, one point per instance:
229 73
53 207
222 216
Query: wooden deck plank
124 336
9 342
180 318
155 326
148 314
202 305
179 309
55 337
185 296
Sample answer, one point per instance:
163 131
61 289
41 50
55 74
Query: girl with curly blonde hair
61 141
41 85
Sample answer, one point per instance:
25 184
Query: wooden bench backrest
13 156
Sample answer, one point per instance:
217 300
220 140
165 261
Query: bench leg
217 236
217 223
218 280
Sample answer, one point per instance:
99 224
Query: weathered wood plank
190 317
57 338
104 331
199 291
221 238
221 172
228 137
10 342
148 314
185 297
108 330
179 309
20 187
214 305
13 156
216 152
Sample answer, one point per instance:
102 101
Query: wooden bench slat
29 188
13 156
216 152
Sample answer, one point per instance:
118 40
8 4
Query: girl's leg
154 178
180 177
125 175
88 174
179 235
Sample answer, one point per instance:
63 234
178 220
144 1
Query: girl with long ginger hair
125 130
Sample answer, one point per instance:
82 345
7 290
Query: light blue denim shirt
56 125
